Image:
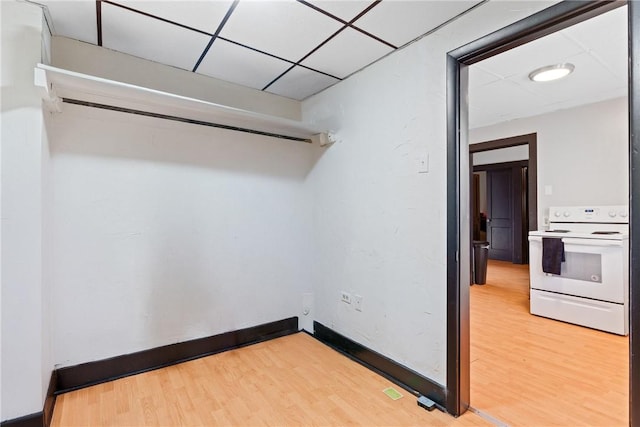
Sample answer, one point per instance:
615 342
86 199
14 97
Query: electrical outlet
423 164
357 302
346 297
307 303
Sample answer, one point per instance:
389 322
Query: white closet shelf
64 86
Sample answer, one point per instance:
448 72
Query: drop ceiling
296 48
500 90
286 47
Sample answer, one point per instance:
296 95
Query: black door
500 213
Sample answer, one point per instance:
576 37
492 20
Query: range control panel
601 214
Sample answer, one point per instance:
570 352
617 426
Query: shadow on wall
164 232
186 296
91 132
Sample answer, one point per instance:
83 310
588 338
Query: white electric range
592 287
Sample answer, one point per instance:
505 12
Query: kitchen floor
532 371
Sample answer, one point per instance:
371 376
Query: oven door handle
592 242
583 242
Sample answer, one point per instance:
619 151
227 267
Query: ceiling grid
292 48
215 35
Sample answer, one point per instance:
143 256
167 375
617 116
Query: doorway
522 176
501 218
510 245
546 22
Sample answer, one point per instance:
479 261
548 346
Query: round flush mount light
551 72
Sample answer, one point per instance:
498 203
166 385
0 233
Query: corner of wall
24 364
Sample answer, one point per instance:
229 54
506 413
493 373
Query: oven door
593 268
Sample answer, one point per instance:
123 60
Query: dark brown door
500 213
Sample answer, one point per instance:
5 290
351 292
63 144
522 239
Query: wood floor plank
289 381
532 371
525 371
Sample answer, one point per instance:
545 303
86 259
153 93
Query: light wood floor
526 371
529 370
289 381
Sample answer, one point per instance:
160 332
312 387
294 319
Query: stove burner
606 232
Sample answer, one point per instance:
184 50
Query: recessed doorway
550 20
504 200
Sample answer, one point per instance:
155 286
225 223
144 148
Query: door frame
530 139
519 234
550 20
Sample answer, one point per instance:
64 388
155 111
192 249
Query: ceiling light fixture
551 72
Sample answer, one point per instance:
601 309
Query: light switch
548 190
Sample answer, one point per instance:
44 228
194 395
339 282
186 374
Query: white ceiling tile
518 97
597 37
615 60
400 21
346 53
597 31
597 48
343 9
588 73
300 83
552 49
74 19
202 15
151 39
240 65
480 77
593 98
500 101
287 29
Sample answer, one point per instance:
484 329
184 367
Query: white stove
584 278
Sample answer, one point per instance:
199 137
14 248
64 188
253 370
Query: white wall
380 224
25 355
501 155
166 232
582 153
162 232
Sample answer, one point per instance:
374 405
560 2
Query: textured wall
26 355
380 213
583 153
166 232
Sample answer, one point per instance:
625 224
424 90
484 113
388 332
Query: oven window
582 266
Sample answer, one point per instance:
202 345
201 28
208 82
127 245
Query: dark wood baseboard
32 420
401 375
50 400
91 373
39 419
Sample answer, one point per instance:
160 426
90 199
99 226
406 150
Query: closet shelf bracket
51 100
